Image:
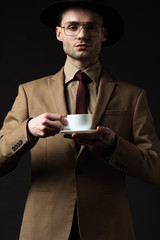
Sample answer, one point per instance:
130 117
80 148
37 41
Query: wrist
31 137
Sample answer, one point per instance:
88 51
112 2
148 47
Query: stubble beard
82 55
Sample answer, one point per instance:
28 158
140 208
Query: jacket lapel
105 91
56 86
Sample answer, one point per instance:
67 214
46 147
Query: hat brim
111 17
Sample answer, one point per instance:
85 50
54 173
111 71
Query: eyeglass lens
73 28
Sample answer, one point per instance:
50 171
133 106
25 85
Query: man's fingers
46 124
103 140
102 130
48 132
54 124
68 136
84 135
52 116
53 120
55 117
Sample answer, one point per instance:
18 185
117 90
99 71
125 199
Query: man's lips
82 46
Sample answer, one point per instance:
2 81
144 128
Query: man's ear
104 34
59 34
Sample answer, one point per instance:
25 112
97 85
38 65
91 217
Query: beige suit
59 176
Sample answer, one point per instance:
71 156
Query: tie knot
81 76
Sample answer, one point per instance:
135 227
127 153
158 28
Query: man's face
83 46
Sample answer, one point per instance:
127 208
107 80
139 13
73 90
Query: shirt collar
93 71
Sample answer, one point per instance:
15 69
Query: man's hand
46 124
103 140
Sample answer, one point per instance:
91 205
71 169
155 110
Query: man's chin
81 55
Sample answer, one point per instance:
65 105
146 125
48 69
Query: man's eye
91 27
73 28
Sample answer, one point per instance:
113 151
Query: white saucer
78 131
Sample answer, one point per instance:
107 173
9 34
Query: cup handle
66 126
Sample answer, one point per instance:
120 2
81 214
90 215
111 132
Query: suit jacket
60 176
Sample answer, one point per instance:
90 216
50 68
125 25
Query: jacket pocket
114 112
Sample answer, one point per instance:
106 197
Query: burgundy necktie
82 93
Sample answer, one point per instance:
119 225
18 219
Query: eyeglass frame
82 25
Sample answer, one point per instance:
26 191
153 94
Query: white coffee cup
78 122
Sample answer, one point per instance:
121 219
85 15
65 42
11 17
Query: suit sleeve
14 139
141 157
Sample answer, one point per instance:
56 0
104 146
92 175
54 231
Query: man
78 181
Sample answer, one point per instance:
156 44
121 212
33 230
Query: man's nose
82 32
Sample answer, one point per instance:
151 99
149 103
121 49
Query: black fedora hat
112 19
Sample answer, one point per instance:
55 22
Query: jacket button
16 146
13 148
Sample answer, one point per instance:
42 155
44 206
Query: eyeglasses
74 28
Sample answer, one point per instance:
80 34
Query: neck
82 65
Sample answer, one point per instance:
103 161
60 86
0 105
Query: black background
29 50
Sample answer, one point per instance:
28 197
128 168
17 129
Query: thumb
102 129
